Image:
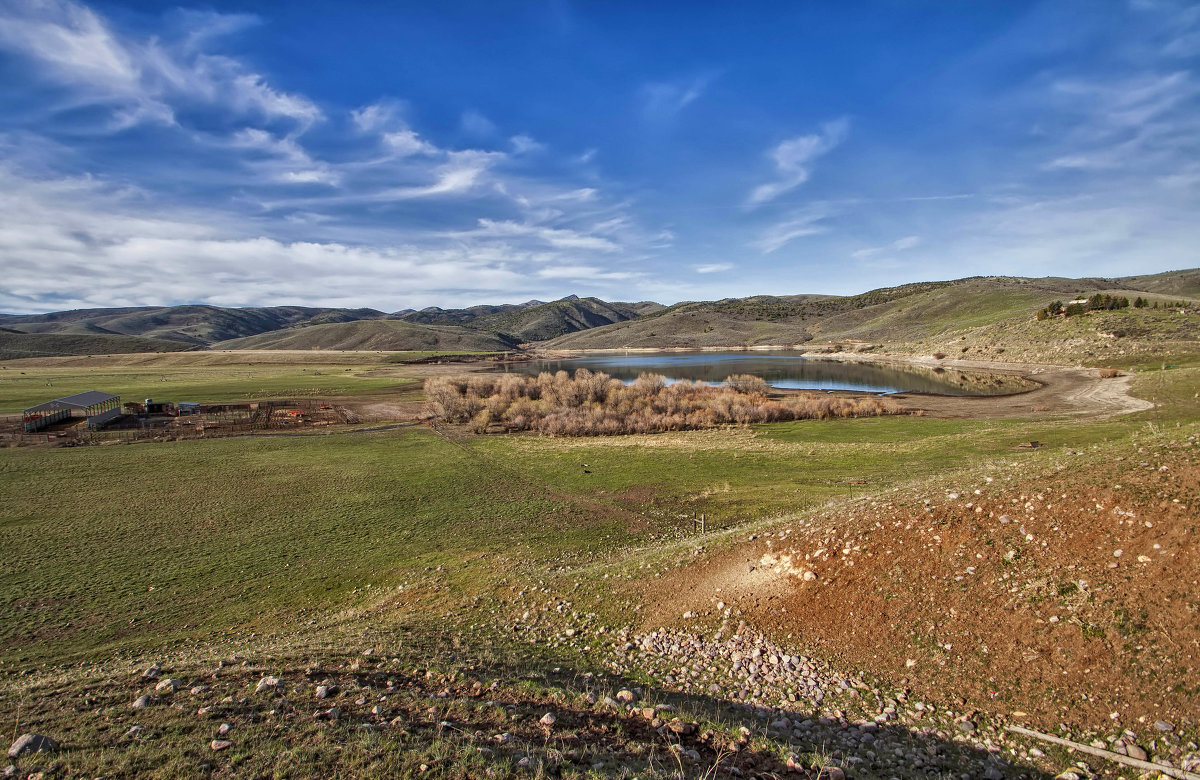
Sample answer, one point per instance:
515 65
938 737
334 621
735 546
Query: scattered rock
626 696
1164 726
31 743
169 684
548 719
224 729
267 683
220 744
152 673
141 702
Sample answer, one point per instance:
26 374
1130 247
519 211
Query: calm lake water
785 370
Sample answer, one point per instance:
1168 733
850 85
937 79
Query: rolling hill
198 325
908 313
535 320
15 344
987 313
386 335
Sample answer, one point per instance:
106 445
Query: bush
595 404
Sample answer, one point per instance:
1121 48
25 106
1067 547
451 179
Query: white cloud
899 245
662 101
376 116
524 144
560 238
476 124
712 268
793 159
94 239
804 223
141 80
406 142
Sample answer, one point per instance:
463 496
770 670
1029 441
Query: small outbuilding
94 406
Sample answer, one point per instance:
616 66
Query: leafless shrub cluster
595 404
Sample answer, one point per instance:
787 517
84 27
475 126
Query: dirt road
1063 390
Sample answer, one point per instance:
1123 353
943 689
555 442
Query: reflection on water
785 370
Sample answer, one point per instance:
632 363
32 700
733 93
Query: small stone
680 727
626 696
1136 751
548 719
152 673
141 702
1164 726
134 731
199 689
266 683
219 744
31 743
169 684
966 726
224 729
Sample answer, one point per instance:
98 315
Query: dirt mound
1062 592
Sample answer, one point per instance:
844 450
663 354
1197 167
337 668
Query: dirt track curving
1064 390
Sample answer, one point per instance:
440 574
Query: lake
786 370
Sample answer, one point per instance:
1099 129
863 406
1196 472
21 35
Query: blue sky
399 155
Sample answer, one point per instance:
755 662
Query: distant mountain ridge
909 313
482 328
199 325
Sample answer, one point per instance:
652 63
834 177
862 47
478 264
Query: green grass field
124 547
205 377
275 553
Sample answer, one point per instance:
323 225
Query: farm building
95 406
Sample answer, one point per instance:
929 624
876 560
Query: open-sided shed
95 406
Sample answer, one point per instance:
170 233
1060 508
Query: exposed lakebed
786 370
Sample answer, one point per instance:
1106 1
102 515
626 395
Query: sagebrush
595 404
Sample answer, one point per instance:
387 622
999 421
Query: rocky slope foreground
893 636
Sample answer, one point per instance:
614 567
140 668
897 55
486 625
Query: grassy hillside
1184 283
537 321
15 344
435 315
387 335
910 313
199 325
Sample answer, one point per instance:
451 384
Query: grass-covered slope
15 344
198 325
896 315
388 335
534 320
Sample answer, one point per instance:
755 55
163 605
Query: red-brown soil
1067 592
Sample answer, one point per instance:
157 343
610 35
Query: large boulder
31 743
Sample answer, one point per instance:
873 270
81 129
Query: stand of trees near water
595 404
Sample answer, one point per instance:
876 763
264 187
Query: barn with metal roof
95 406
